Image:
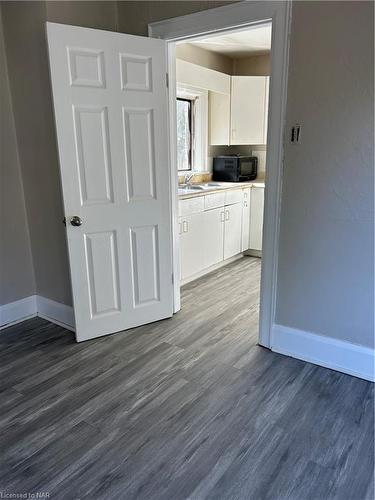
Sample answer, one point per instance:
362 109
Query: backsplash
260 152
197 178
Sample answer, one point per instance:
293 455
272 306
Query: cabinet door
232 230
256 218
200 77
246 219
248 101
213 242
191 244
180 221
266 100
219 118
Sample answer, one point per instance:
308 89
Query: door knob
76 221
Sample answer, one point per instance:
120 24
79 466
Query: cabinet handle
222 216
185 227
180 228
226 214
245 203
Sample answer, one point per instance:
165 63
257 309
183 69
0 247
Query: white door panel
110 102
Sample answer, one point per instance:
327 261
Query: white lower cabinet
218 226
232 230
192 232
246 219
212 244
256 218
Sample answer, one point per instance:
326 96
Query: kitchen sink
186 190
193 188
207 185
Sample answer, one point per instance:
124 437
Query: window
184 134
192 128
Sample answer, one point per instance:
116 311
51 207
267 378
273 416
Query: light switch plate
295 136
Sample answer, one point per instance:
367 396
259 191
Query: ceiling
239 44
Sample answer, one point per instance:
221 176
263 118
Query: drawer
191 206
232 197
214 200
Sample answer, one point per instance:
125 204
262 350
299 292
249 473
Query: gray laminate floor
189 407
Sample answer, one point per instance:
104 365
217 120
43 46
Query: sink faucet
187 178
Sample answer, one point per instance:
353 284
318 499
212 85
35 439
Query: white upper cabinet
238 105
249 107
219 118
266 109
204 78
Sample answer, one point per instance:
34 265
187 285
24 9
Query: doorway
222 85
208 25
116 152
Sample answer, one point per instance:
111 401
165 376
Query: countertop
224 186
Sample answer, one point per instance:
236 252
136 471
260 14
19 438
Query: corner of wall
18 275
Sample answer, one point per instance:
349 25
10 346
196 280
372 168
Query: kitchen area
222 109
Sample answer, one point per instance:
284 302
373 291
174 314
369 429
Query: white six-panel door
110 99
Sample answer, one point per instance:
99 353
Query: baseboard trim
17 311
36 305
57 313
338 355
253 253
211 268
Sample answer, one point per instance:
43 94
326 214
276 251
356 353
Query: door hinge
167 80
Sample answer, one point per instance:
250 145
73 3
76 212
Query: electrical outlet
295 135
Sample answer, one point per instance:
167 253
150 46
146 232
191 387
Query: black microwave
235 168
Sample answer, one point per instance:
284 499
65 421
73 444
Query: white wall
197 55
257 65
27 62
16 268
326 280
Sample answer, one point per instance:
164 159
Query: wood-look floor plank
186 408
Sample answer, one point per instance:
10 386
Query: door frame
236 16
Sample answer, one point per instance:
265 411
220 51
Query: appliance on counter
235 168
